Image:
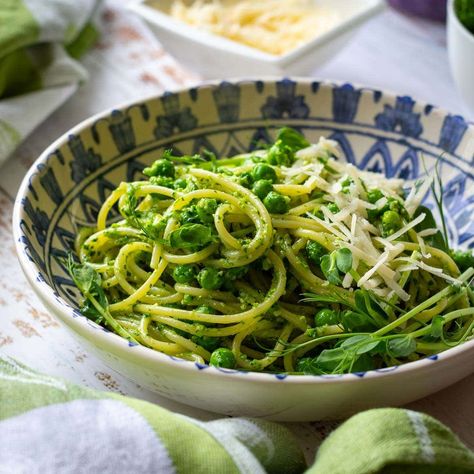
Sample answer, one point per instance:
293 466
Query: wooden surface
391 52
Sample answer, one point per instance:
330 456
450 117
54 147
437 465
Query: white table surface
391 52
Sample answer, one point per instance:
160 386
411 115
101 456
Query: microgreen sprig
89 283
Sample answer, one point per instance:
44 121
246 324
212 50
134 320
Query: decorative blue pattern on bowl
392 135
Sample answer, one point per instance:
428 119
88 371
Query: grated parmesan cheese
416 195
407 227
350 224
372 271
273 26
427 232
435 271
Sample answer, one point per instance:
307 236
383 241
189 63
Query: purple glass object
431 9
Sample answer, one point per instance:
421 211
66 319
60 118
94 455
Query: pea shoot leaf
329 269
330 359
359 298
95 306
87 280
401 346
309 366
363 363
437 327
360 344
366 304
344 260
435 240
355 321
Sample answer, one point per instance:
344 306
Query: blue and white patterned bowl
66 186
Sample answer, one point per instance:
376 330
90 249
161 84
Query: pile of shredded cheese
273 26
350 227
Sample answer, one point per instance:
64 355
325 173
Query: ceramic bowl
461 56
377 131
216 57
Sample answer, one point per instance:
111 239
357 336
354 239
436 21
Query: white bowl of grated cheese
242 38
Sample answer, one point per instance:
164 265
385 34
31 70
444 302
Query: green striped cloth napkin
48 425
39 43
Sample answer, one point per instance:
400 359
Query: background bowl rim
452 14
65 311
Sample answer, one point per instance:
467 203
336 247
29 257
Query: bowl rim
218 42
69 315
453 16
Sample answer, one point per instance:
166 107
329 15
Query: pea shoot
337 262
263 171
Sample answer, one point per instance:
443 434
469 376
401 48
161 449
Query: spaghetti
282 260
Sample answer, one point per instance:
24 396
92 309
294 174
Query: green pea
180 183
374 195
319 214
236 273
210 279
262 187
333 208
205 210
205 309
314 251
184 273
394 205
189 215
316 194
346 184
373 215
161 167
276 203
280 154
326 317
391 222
223 357
263 171
207 342
187 300
464 259
164 181
246 180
